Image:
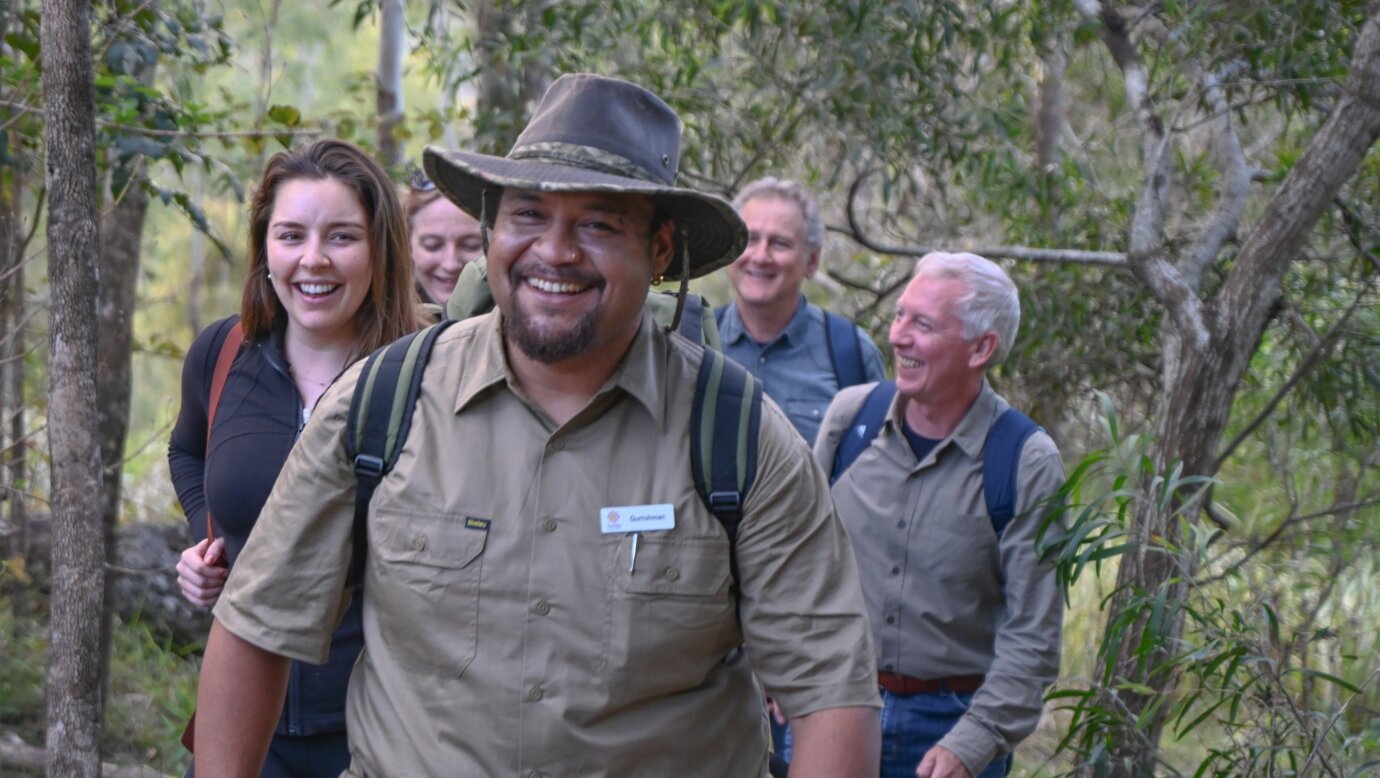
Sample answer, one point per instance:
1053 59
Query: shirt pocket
964 551
811 410
671 616
424 587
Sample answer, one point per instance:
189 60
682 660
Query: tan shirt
505 634
944 595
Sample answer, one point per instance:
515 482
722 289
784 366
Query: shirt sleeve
1026 652
288 593
873 368
187 445
801 603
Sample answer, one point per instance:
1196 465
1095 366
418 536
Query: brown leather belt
904 684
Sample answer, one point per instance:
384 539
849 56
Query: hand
940 762
201 572
773 709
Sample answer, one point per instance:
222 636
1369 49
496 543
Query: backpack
723 427
842 341
1001 451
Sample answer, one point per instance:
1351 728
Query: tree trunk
1201 383
74 692
392 47
121 231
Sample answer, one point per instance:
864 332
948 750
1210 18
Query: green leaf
286 115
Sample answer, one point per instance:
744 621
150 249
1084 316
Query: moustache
538 269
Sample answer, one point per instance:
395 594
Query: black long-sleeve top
257 421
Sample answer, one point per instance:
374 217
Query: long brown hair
392 308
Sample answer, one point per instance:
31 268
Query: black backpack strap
845 350
863 429
692 318
1001 458
380 417
723 441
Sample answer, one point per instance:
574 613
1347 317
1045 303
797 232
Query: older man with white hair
943 488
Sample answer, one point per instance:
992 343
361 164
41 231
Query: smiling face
317 251
570 270
444 240
777 259
935 364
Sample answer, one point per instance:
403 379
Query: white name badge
637 518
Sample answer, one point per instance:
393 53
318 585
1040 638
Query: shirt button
534 694
895 571
891 619
557 445
549 525
901 524
543 607
419 543
889 667
761 360
672 574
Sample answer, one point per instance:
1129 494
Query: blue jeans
913 723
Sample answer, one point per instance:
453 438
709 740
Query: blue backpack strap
1001 458
380 417
723 441
845 350
863 429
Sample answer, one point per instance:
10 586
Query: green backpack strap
380 417
723 441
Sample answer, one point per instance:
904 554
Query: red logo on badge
613 518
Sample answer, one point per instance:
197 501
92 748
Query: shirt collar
637 375
971 433
732 330
797 330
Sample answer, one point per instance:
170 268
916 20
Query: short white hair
791 192
990 302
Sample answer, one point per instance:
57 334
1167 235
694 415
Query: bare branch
1147 255
855 231
155 133
1278 532
1231 195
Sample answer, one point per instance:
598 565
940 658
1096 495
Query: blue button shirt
795 368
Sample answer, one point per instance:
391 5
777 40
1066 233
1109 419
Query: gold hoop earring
657 279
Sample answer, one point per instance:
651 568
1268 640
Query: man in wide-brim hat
545 592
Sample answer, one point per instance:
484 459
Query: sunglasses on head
419 182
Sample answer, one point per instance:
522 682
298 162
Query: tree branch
14 751
855 231
1231 194
1147 255
1317 352
1333 156
155 133
1284 525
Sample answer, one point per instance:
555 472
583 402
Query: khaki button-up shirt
505 633
944 594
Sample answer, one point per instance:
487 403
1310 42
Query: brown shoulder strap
229 348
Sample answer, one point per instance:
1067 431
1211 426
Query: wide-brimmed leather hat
597 134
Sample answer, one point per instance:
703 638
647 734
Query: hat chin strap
684 282
484 221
